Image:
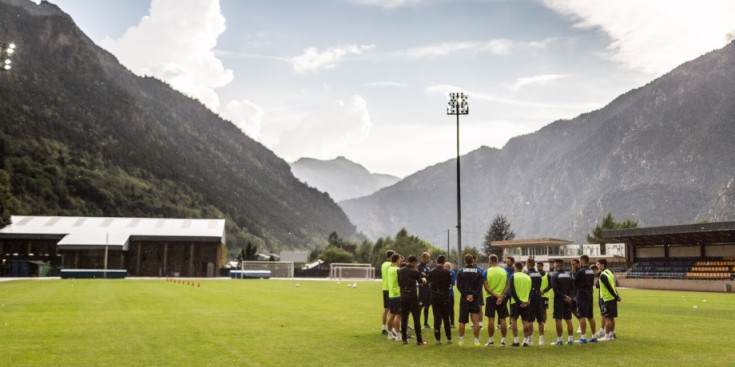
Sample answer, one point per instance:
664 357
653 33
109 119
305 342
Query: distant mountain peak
340 177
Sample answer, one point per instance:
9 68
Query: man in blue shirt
584 282
448 266
563 285
424 291
469 281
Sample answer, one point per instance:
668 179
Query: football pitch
142 322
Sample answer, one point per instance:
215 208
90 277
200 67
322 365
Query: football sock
477 340
515 339
502 340
461 339
383 326
558 339
569 338
541 339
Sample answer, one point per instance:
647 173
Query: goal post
278 269
351 271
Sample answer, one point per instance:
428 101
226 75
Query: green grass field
274 323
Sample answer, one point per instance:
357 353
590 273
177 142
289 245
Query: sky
369 79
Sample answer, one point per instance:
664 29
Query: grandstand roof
535 242
689 234
98 232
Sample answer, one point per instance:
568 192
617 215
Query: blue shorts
466 308
584 306
394 305
609 309
492 307
524 312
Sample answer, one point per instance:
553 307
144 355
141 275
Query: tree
333 254
4 198
314 254
470 251
608 223
499 231
364 252
251 251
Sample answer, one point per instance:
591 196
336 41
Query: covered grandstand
694 256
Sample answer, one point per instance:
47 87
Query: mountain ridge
81 135
658 154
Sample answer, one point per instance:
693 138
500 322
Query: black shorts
609 309
524 312
562 310
466 308
479 298
424 295
574 306
545 300
492 307
600 302
394 305
537 309
584 306
385 299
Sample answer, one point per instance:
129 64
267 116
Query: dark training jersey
469 281
440 280
424 269
563 284
535 283
584 282
408 277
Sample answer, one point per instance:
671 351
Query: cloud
388 4
651 35
386 84
324 134
313 60
502 47
536 79
246 115
175 43
446 89
499 47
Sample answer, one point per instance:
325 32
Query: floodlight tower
6 52
458 106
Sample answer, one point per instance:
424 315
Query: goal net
278 269
351 271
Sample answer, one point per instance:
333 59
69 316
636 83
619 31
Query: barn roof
98 232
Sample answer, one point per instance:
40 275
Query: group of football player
514 290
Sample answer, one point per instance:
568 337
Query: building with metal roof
142 246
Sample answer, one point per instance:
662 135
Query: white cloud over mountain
175 43
651 35
324 134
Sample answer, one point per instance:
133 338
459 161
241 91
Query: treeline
338 250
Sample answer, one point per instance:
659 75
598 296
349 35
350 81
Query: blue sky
368 79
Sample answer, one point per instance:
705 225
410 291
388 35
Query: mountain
82 135
341 178
661 154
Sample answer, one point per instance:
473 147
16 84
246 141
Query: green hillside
81 135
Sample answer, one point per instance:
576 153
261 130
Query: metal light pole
458 106
6 52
